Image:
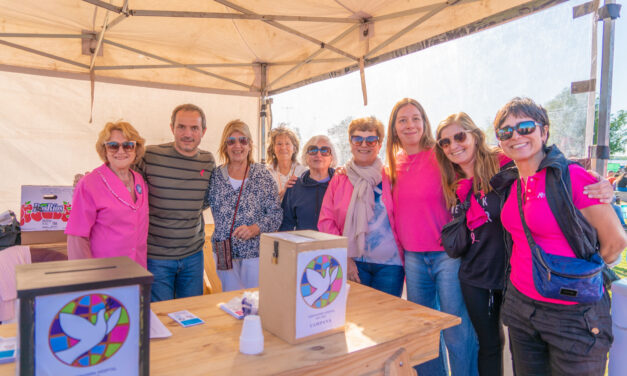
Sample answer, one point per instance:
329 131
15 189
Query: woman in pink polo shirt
420 212
550 336
109 215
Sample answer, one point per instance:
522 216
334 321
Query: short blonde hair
314 140
276 132
128 131
367 124
231 127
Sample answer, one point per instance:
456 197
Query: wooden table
384 335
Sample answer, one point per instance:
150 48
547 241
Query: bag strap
532 243
239 195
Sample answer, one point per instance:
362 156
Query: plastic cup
251 338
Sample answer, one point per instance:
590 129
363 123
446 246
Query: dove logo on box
88 330
321 281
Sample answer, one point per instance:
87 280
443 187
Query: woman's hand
246 232
340 170
353 273
602 190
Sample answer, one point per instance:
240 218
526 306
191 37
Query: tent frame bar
44 54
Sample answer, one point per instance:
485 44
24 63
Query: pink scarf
475 216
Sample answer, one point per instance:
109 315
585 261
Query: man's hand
602 190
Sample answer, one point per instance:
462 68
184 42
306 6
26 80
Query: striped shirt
176 188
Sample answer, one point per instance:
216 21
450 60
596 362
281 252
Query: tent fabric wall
45 136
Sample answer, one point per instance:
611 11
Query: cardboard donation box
302 284
44 212
84 317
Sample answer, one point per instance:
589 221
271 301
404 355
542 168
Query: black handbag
455 235
10 234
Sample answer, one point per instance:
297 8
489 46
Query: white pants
244 275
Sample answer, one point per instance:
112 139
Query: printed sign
45 208
321 292
88 332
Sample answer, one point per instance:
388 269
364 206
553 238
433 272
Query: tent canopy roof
245 47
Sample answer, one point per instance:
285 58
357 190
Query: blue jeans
386 278
177 278
432 281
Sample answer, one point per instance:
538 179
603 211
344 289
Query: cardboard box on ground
44 212
302 284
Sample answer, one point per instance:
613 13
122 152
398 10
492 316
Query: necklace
113 192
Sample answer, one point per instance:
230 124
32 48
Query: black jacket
302 202
581 236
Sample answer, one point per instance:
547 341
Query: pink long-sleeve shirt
419 203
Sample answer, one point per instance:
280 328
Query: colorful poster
321 291
85 333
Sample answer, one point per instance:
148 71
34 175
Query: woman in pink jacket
358 205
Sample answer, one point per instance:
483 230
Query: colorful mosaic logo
88 330
321 282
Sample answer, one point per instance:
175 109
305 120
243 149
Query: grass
621 269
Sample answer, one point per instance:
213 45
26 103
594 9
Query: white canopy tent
226 55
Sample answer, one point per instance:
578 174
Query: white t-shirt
235 183
280 179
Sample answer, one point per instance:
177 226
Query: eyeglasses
243 140
325 151
459 137
114 146
523 128
370 140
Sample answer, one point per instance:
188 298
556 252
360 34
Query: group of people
392 213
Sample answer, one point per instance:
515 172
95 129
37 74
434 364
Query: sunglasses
523 128
325 151
114 146
459 137
370 140
243 140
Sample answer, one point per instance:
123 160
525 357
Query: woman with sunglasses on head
301 203
109 215
358 205
282 158
420 212
244 202
467 164
567 332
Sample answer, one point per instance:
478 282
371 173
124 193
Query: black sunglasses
243 140
370 140
114 146
523 128
458 137
325 151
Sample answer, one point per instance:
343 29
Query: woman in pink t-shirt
547 335
420 212
109 215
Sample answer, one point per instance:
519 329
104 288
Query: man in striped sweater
177 174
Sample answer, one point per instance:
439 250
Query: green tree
567 116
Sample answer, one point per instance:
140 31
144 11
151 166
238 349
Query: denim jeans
432 281
555 339
386 278
177 278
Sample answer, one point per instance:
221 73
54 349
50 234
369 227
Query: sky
535 56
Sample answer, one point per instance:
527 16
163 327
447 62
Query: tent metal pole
600 153
290 30
236 16
177 63
262 112
45 54
310 57
406 30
